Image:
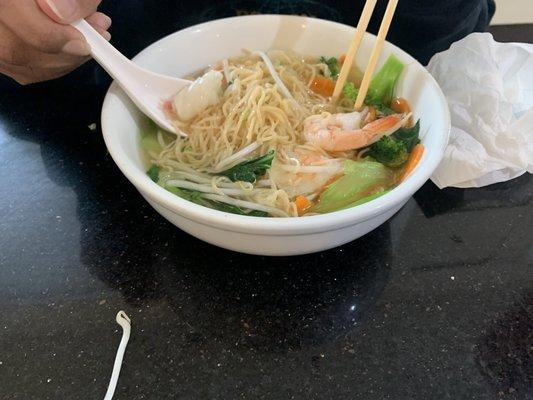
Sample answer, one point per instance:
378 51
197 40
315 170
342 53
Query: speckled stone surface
435 304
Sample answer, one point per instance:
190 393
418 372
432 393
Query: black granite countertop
437 303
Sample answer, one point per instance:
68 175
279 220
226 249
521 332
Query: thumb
68 11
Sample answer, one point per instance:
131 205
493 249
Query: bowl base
274 245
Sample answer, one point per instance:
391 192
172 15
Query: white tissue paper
489 88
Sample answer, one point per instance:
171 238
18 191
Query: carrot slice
323 86
412 162
302 204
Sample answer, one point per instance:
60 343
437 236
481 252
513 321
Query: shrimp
304 172
342 132
204 92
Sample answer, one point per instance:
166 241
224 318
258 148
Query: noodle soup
265 139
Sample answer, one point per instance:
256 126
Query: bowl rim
264 225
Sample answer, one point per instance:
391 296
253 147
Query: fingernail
64 9
106 35
77 48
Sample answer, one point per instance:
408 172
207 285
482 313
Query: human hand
36 41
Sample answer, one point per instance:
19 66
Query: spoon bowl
146 89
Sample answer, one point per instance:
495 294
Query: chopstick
354 47
376 51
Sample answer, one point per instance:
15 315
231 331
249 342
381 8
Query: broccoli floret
382 109
389 152
350 91
409 136
394 150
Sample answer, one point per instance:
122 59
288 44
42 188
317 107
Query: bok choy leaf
251 170
362 181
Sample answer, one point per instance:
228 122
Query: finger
99 21
68 11
97 25
40 32
14 52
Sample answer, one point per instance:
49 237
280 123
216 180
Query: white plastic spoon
145 88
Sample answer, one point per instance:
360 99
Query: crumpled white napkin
489 88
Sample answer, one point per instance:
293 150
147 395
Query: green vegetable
362 180
383 110
333 66
389 151
381 89
249 171
153 173
350 91
409 136
190 195
197 198
394 150
364 200
149 140
150 143
236 210
152 125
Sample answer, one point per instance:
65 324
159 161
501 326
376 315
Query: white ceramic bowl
191 49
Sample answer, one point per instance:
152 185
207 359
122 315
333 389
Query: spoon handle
112 60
